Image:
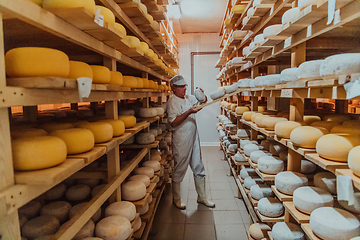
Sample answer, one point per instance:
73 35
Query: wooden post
30 113
341 106
296 109
298 54
254 71
111 109
74 106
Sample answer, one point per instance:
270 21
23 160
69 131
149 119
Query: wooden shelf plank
139 233
143 201
326 164
308 231
138 127
282 197
301 151
264 176
123 138
253 201
297 215
90 156
134 146
268 219
268 133
349 172
150 189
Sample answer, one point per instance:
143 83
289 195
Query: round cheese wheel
86 231
78 207
243 133
142 209
133 190
28 132
255 155
259 119
120 28
36 62
122 208
129 121
31 209
326 181
56 192
91 182
77 192
336 147
269 123
129 81
132 41
258 39
89 5
309 119
255 115
259 230
276 148
238 9
353 207
307 166
252 180
244 142
153 164
325 124
287 181
59 209
40 226
266 143
32 153
286 231
290 15
334 223
148 171
80 69
103 131
97 189
272 30
116 78
247 115
145 138
259 191
306 136
270 207
336 118
159 112
131 140
340 64
354 160
53 126
144 47
163 144
108 15
117 125
270 165
142 178
232 88
101 74
249 148
346 129
147 112
241 109
155 158
77 140
307 199
309 69
113 228
239 158
136 225
200 96
284 128
247 172
289 75
217 94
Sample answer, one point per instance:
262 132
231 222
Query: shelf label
309 31
337 17
331 11
99 19
352 89
287 93
287 42
345 190
84 87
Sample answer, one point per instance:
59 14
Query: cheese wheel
350 123
346 129
89 5
131 140
142 178
259 231
97 189
325 124
133 190
86 231
353 207
77 192
32 153
272 30
148 171
217 94
78 207
108 15
247 172
28 132
287 231
129 81
59 209
307 166
239 158
80 69
116 78
147 112
244 142
337 118
254 116
159 112
120 28
275 148
255 155
310 119
36 62
353 160
238 9
252 180
132 41
243 133
103 131
22 220
117 125
52 126
336 147
340 64
289 75
113 228
140 83
241 109
247 115
152 164
129 121
145 138
232 88
31 209
270 207
259 191
259 119
233 148
304 3
306 136
122 208
307 199
249 148
200 96
326 181
309 69
136 225
101 74
163 144
77 140
284 128
40 226
270 165
269 123
258 39
266 143
91 182
290 15
144 47
142 209
56 192
146 83
334 223
287 181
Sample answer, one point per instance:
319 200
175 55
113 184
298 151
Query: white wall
204 77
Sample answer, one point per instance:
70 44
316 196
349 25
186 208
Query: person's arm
181 118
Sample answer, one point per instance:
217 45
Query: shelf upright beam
298 55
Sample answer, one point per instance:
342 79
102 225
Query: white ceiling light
173 11
193 8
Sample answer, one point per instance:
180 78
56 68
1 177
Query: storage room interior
180 119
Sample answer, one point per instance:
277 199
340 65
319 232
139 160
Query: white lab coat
186 141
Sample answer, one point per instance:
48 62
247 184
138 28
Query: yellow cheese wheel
120 28
140 83
36 62
253 117
351 123
336 146
132 41
354 160
146 83
117 125
116 78
49 127
28 132
336 118
133 190
269 123
355 129
238 8
109 17
101 74
233 107
310 119
144 47
261 109
150 53
306 136
41 152
259 119
77 140
129 121
325 124
149 17
129 81
143 8
102 131
80 69
241 109
247 115
37 2
284 128
89 5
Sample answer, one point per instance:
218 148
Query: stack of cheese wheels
353 160
270 165
259 231
117 125
326 181
270 207
122 208
252 180
340 64
269 123
78 192
40 226
103 131
148 171
247 172
113 227
287 230
284 128
334 223
306 136
259 191
328 125
287 182
33 153
56 192
255 155
336 147
307 199
309 70
145 138
78 207
80 69
59 209
133 190
307 166
247 115
142 178
101 74
129 121
77 140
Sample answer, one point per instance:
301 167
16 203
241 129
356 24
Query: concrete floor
228 220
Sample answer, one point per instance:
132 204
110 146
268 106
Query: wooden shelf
139 233
265 176
282 197
326 164
308 231
253 201
299 150
296 214
90 156
151 188
138 127
134 146
269 219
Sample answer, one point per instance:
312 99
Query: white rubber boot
200 189
176 196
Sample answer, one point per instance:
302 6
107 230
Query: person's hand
200 89
194 110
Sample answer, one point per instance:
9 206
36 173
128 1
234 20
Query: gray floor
228 220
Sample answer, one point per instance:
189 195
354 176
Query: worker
181 110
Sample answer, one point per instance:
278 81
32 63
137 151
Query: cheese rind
287 231
284 128
76 208
148 171
77 140
78 192
142 178
326 181
103 131
307 199
129 121
40 226
270 207
340 64
259 191
31 209
259 230
122 208
354 160
101 74
270 165
80 69
255 155
306 136
287 182
252 180
145 138
310 69
247 115
89 5
113 228
153 164
59 209
307 166
133 190
116 78
56 192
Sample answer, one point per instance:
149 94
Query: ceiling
199 16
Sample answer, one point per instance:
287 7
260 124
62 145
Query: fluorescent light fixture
173 11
